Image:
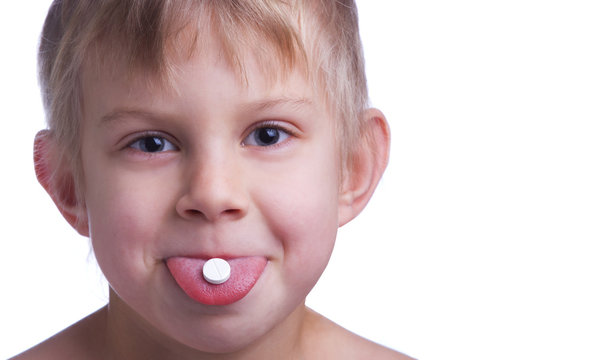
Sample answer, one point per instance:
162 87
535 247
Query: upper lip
206 245
206 256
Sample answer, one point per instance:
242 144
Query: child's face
186 173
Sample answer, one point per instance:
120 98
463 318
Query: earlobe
366 166
56 177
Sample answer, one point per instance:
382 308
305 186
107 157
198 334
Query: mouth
188 274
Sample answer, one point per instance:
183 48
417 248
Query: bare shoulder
75 342
332 341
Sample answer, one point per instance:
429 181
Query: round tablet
216 271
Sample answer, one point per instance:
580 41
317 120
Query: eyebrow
256 106
119 114
262 105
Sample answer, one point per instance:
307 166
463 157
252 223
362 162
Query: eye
153 144
267 135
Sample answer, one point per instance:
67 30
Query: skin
214 190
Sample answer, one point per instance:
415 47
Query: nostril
229 213
232 212
194 212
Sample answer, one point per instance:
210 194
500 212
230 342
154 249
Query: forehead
270 68
206 75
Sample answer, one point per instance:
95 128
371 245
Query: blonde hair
320 36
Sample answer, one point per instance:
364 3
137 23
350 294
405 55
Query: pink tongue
188 273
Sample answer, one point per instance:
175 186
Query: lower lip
188 273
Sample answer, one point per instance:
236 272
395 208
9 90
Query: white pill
216 271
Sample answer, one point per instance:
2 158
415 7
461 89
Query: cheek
301 208
123 219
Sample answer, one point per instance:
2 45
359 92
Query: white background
476 243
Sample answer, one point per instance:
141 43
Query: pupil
153 144
268 136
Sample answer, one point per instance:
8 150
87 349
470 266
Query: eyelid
272 124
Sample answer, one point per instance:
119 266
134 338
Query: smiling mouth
188 274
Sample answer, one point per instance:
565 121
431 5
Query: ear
56 177
365 167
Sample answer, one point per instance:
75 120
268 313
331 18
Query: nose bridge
214 186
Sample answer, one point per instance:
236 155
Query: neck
129 337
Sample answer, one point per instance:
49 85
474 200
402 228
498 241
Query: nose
214 190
